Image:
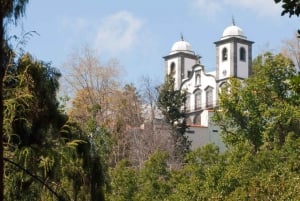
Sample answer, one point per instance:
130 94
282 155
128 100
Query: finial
233 21
181 36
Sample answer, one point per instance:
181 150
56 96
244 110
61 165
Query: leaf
75 143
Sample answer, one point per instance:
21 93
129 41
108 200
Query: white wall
206 81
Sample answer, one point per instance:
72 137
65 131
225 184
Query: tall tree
149 98
92 85
43 147
123 182
155 134
171 103
153 178
9 9
128 120
263 109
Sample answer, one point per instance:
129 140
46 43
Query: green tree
9 9
191 182
171 104
153 181
31 121
43 146
97 157
291 49
268 175
290 7
123 182
261 110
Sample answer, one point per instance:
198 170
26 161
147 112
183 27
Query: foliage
262 110
123 182
171 102
9 9
259 118
153 178
236 174
101 104
290 7
12 8
45 148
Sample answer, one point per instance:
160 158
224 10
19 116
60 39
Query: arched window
188 102
172 68
224 54
198 101
209 97
198 80
242 54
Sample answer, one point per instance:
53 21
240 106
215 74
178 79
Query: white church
233 59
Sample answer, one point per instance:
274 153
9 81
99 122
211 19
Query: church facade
233 59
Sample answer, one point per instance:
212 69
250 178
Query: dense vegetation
91 145
260 123
54 155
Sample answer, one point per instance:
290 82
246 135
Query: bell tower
233 55
180 61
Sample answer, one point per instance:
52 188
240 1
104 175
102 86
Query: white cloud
118 32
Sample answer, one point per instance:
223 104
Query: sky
139 33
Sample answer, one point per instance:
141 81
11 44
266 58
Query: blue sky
139 33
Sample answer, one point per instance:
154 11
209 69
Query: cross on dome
233 21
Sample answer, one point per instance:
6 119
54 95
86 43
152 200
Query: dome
233 31
181 46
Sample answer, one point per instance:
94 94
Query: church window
242 54
224 54
197 100
197 119
188 102
172 69
209 97
198 80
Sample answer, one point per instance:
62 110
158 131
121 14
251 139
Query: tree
261 110
152 134
171 103
291 49
190 182
44 148
153 179
150 96
123 182
31 119
128 109
9 9
290 7
93 87
92 84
